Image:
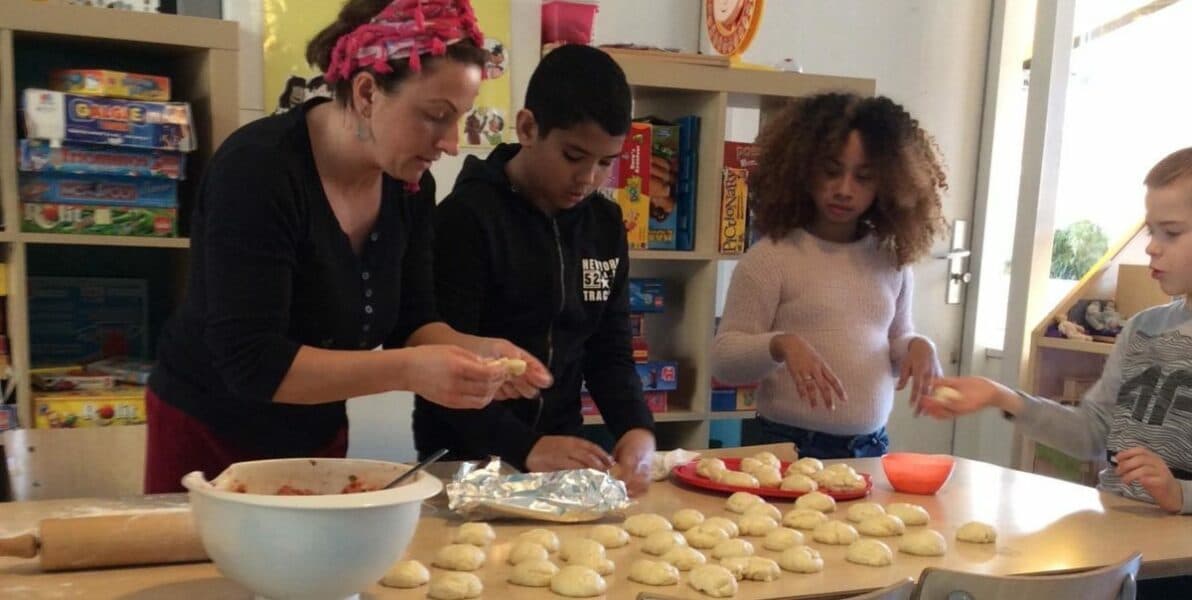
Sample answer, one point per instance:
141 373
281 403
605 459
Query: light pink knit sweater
848 301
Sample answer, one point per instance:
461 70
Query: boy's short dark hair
576 83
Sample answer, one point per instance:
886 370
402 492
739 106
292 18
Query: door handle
958 274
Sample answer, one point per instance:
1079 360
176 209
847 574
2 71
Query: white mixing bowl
315 547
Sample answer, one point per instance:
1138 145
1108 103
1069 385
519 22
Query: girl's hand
920 366
814 379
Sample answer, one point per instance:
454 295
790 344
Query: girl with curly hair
819 311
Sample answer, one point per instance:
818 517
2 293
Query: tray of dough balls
767 476
745 548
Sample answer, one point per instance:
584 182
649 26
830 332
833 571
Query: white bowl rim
422 487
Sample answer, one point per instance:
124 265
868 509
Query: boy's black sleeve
608 358
462 281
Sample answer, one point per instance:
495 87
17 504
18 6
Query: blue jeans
815 444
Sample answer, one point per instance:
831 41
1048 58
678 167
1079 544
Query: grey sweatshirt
1143 398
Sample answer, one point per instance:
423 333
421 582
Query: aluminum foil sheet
560 496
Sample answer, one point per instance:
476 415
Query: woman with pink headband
311 247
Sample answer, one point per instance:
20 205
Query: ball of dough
728 525
806 466
768 477
837 533
765 509
753 568
881 526
840 479
609 536
816 501
840 467
750 465
544 537
798 482
863 510
727 548
459 557
945 395
602 566
871 553
713 580
976 532
767 458
406 574
710 468
644 524
476 534
661 542
526 551
911 514
801 559
924 542
782 538
455 586
740 501
580 549
686 518
739 479
757 525
705 536
514 367
653 572
685 558
804 518
533 573
578 582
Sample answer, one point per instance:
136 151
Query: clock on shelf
731 24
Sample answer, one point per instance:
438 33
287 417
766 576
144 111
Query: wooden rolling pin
143 538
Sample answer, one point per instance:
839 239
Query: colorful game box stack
102 155
659 377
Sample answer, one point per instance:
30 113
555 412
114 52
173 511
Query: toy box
631 188
739 159
123 405
664 184
124 370
646 295
641 350
8 417
99 220
659 375
91 159
655 401
637 325
114 84
61 117
76 320
688 176
97 190
732 398
61 379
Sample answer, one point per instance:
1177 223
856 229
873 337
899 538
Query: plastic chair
1114 582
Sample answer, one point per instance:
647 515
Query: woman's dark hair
358 12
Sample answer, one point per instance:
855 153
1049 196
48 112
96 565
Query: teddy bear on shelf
1071 330
1103 319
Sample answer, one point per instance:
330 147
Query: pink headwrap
404 29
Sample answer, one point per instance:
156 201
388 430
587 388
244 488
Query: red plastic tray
686 473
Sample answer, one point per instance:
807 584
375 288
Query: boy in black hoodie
526 249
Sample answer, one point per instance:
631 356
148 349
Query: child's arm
741 351
902 328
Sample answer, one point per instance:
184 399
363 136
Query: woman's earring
363 132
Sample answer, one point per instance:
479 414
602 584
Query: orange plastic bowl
913 473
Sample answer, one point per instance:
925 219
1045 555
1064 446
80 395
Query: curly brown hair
906 215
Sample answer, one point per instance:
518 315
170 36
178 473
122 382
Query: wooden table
1044 525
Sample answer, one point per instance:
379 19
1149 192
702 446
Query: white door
929 56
